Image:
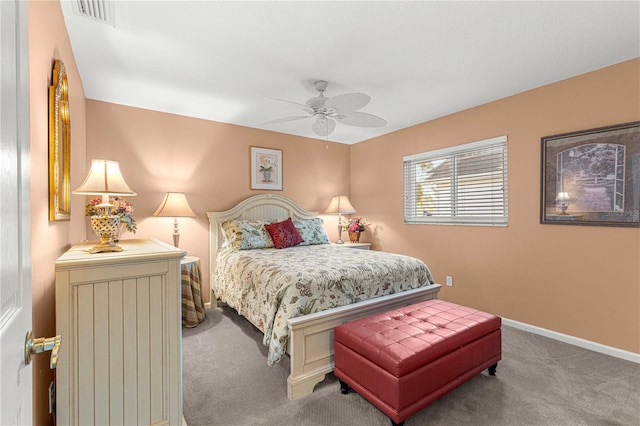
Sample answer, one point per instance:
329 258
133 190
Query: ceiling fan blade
348 101
291 102
362 119
323 127
304 107
285 119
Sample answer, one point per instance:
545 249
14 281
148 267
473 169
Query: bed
297 295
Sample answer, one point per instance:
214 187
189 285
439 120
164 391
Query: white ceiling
418 60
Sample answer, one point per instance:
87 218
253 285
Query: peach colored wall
48 40
209 161
527 272
579 280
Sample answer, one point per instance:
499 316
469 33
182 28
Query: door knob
35 346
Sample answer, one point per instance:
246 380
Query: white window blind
464 184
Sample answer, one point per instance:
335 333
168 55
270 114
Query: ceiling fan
327 111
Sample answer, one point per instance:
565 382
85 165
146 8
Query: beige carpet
540 381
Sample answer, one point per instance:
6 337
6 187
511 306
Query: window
464 184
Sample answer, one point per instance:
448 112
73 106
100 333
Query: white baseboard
575 341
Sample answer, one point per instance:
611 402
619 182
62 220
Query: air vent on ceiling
98 10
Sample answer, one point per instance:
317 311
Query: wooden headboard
263 206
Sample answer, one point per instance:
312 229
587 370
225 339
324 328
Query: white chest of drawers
119 315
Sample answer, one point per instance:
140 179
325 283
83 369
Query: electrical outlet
449 281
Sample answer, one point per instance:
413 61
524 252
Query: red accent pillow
284 234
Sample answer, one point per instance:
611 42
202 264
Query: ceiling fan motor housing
320 85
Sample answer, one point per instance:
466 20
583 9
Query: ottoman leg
397 424
344 388
492 369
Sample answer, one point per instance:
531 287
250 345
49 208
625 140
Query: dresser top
132 250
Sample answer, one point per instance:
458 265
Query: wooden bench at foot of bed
311 339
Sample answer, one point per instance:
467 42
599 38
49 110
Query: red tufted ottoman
404 359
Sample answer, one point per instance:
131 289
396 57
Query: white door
15 278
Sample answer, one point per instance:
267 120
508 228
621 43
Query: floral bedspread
269 286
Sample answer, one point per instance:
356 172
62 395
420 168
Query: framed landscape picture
266 168
592 177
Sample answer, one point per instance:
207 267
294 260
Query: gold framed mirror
59 145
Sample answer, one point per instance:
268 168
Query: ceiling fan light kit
327 111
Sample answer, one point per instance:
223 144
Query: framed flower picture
266 168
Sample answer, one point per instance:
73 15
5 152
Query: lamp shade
104 178
340 205
562 196
174 204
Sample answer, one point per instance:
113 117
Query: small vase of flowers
355 227
121 208
266 173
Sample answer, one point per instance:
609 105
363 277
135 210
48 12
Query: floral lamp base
105 227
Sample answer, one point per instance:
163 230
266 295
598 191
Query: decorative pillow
246 234
284 234
312 231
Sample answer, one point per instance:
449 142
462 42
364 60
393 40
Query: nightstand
362 246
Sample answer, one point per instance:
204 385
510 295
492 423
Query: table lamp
105 179
563 202
175 205
340 205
